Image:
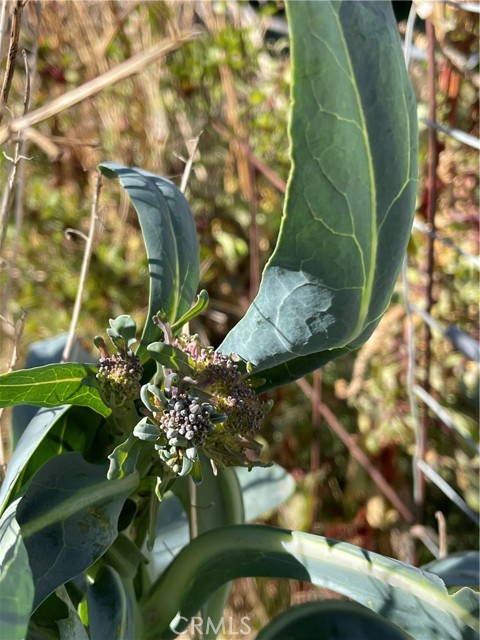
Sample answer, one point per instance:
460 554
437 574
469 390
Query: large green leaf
53 432
412 599
461 569
217 501
16 580
170 240
337 620
351 192
262 489
68 518
43 352
27 445
51 386
110 612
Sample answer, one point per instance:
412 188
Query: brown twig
259 165
316 420
8 195
420 482
253 240
21 149
119 19
12 54
315 450
16 335
357 453
254 164
18 155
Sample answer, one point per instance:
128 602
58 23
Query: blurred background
383 443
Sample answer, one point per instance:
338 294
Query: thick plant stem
123 420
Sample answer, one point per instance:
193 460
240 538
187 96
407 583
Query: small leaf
68 518
159 492
171 242
123 459
171 357
152 397
198 308
187 465
147 431
123 327
51 386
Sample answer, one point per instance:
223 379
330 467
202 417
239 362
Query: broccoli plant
92 536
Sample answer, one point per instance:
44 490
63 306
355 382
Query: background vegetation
347 434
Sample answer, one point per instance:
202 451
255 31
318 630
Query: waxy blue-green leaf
170 240
51 386
71 627
123 459
262 489
414 600
51 433
68 518
221 494
351 192
171 357
199 307
110 610
461 569
337 620
122 331
16 580
27 445
147 431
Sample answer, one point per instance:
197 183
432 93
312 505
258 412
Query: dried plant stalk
92 87
12 55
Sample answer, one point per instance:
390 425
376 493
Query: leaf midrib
80 501
368 288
